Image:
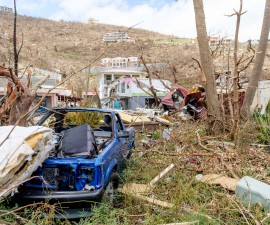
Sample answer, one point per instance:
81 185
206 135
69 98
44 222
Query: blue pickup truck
91 148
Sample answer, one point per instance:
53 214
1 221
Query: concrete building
59 96
216 41
131 93
115 36
112 86
6 9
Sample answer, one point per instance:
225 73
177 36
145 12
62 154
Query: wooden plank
145 198
162 174
133 119
223 181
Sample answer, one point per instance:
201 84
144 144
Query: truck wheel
110 192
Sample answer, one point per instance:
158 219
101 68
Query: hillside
67 46
181 171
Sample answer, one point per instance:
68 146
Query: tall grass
263 125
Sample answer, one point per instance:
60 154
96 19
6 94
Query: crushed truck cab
91 148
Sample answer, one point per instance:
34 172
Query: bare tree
19 97
234 130
259 60
151 88
213 108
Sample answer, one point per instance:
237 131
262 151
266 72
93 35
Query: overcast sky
164 16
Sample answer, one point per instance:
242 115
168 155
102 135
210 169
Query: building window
117 76
149 102
107 78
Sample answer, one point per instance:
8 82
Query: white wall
262 96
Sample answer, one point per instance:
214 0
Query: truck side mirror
123 134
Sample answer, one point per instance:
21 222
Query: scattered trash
144 119
146 144
166 134
194 163
265 147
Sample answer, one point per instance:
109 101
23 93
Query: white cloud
164 16
31 6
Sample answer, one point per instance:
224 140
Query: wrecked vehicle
191 103
175 98
91 148
195 104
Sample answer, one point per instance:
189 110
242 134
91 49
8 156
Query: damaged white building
122 83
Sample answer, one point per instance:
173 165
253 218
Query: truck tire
110 192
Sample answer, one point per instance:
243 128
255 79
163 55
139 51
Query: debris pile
141 191
143 119
22 149
205 167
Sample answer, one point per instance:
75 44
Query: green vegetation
192 200
79 118
263 125
106 214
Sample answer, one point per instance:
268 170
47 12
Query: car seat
79 141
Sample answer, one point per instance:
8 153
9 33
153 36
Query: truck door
124 139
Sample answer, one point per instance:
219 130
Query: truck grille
60 178
50 175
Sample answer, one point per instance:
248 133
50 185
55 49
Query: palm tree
213 108
259 60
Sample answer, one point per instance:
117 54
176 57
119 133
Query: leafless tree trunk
149 73
19 97
98 99
16 56
234 130
259 60
213 108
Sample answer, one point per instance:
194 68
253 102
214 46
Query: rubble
22 149
143 119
